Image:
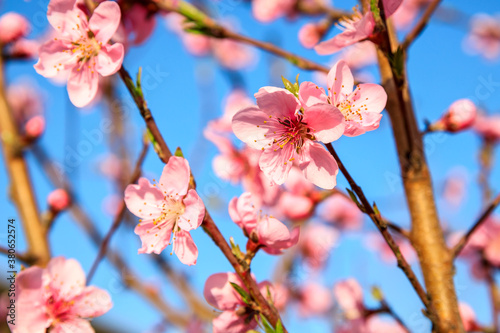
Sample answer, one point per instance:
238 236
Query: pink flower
460 115
165 208
309 35
58 200
286 128
488 127
355 29
24 48
236 316
468 317
12 27
270 10
342 212
80 50
408 12
265 230
316 243
361 107
492 250
57 299
314 300
296 202
375 325
484 36
232 55
26 104
138 23
359 55
349 296
236 100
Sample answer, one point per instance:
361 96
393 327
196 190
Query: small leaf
279 327
244 295
288 85
397 62
296 85
267 327
178 152
355 199
377 293
375 9
375 209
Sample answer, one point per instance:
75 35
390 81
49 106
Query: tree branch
420 26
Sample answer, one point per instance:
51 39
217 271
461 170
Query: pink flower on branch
236 317
12 27
57 299
460 115
80 51
287 128
265 230
167 207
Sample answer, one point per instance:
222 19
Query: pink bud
12 27
34 127
58 200
25 48
309 35
460 115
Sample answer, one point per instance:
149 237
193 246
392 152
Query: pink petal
66 277
362 29
277 102
92 302
243 212
109 59
82 85
340 82
349 296
310 94
67 18
140 23
370 97
318 166
250 125
220 294
30 302
144 200
194 213
175 177
295 206
370 122
283 245
390 6
105 20
277 164
72 325
154 238
272 232
230 322
326 122
185 248
51 55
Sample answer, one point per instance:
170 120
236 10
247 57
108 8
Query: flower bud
309 35
460 115
58 200
12 27
34 127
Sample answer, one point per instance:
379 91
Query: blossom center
290 131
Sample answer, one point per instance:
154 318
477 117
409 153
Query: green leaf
355 199
178 152
397 62
375 209
377 293
296 85
279 327
267 327
244 295
375 9
288 85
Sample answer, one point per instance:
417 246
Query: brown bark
17 170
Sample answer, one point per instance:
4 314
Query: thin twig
119 216
379 222
484 216
420 26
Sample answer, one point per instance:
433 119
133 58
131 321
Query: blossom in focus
57 299
80 51
316 243
484 36
355 29
265 230
58 200
460 115
165 208
12 27
236 316
26 105
342 212
287 129
488 126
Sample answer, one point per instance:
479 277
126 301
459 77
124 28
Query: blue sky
185 92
